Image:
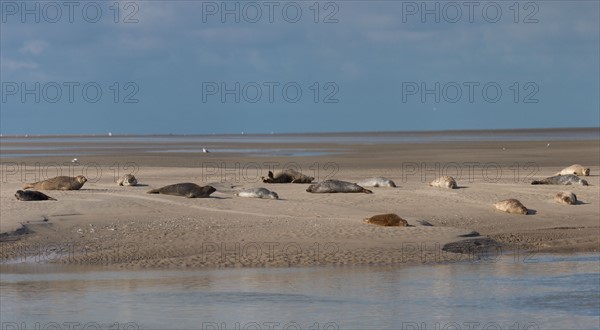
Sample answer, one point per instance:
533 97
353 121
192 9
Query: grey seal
186 189
377 182
337 186
569 179
288 176
386 220
565 197
257 193
511 206
127 180
444 181
32 195
58 183
576 169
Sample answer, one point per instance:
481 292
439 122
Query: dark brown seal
189 190
387 220
32 195
288 176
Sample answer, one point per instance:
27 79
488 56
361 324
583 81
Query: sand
111 226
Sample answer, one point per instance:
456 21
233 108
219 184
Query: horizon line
498 130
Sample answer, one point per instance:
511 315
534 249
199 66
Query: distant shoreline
341 133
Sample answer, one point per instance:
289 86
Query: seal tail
28 185
367 191
51 199
153 191
537 182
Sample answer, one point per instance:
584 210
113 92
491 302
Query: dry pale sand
104 224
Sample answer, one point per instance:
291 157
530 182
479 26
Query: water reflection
549 291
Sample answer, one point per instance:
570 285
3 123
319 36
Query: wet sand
104 224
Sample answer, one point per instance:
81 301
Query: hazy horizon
424 132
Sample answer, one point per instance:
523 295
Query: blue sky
178 66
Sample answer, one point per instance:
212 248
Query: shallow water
542 292
43 146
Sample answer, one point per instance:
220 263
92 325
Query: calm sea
41 146
540 292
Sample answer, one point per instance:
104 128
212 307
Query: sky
226 67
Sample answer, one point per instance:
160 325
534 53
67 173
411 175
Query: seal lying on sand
258 193
377 182
568 179
288 176
337 186
189 190
32 195
387 220
565 197
444 182
575 169
127 180
511 206
58 183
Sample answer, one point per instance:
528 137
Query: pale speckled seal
386 220
127 180
569 179
257 193
58 183
576 169
32 195
337 186
444 182
376 182
288 176
565 197
511 206
189 190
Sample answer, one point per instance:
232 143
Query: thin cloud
34 47
12 65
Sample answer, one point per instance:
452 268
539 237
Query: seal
511 206
386 220
287 176
576 169
569 179
258 193
127 180
58 183
377 182
186 189
32 195
337 186
444 182
565 197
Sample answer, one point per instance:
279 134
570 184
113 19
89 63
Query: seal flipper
153 191
367 191
270 175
